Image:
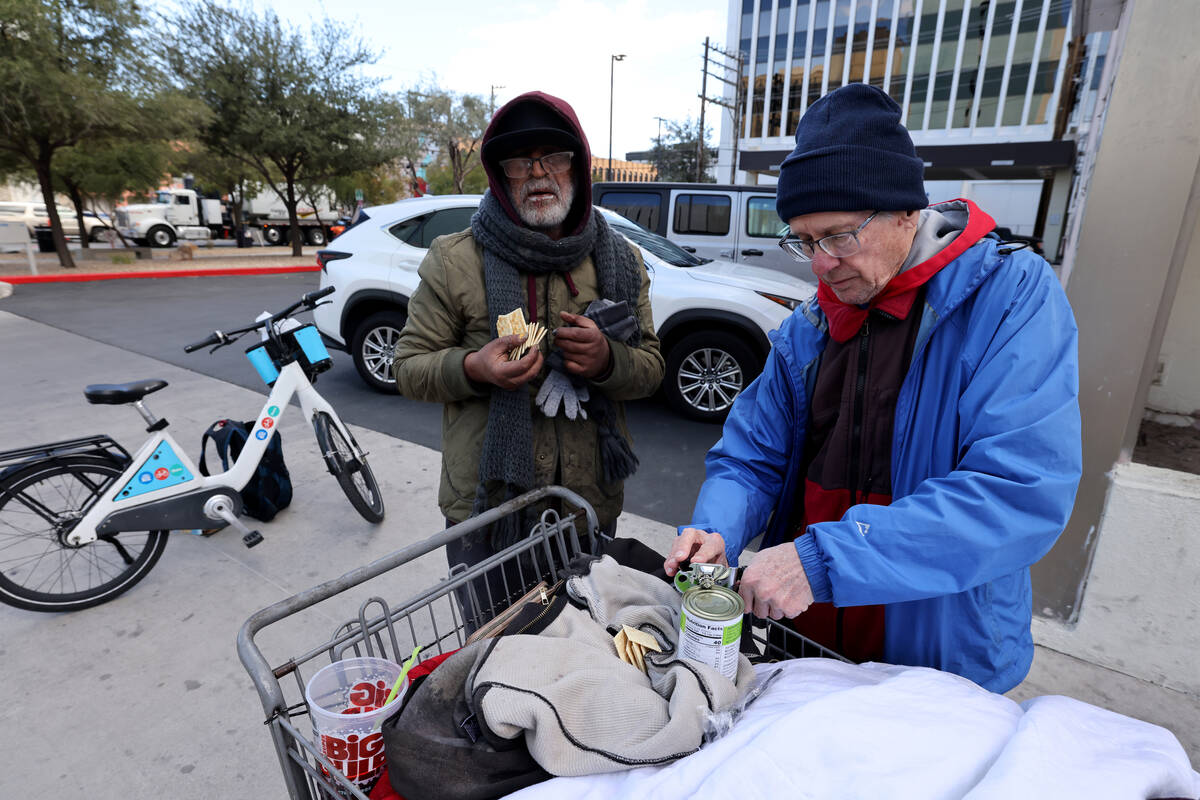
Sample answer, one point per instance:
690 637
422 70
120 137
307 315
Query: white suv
711 316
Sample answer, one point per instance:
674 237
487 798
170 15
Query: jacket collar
898 296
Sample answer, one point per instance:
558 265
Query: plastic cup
345 702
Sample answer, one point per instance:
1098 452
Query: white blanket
828 730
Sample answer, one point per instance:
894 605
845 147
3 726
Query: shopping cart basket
432 617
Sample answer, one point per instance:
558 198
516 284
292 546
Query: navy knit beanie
852 154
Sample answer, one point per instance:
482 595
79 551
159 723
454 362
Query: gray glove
558 390
615 320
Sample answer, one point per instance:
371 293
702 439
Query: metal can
710 625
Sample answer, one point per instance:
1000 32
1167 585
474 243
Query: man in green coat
554 416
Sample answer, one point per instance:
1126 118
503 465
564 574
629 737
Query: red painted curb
167 273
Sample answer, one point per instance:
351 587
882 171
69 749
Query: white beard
546 215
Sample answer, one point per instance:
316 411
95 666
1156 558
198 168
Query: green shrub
121 258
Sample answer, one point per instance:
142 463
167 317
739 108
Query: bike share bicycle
82 521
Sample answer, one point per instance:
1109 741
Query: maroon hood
581 165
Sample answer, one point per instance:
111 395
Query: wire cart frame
433 617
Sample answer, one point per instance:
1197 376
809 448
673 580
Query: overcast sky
559 46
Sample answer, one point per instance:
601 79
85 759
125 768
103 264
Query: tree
70 71
105 171
447 126
441 181
675 155
292 106
386 183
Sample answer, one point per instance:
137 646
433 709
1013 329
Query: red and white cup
346 704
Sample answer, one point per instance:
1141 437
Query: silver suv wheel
374 347
706 371
710 379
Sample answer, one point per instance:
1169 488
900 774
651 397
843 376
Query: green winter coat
448 318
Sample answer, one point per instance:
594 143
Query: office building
996 93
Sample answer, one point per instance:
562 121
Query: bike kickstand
220 507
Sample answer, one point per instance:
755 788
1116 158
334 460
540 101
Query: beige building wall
623 170
1175 392
20 192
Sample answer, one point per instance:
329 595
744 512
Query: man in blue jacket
913 443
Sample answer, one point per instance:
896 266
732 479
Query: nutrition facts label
711 642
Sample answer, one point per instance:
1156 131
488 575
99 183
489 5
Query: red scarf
897 298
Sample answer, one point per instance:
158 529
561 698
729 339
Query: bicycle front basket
264 364
311 350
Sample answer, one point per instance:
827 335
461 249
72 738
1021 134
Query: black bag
438 749
270 488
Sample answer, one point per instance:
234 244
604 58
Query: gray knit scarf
509 249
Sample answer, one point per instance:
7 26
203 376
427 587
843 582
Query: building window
820 46
703 214
901 28
950 64
761 219
779 71
839 51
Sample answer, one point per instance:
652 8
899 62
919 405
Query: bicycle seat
111 394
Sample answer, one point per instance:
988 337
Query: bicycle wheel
39 571
353 474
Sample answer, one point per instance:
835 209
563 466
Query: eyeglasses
551 163
838 245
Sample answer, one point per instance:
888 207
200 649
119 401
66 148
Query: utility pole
700 134
492 102
736 107
612 68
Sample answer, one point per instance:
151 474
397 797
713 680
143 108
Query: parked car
736 223
339 225
35 215
711 316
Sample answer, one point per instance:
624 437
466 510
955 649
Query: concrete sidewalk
102 263
145 696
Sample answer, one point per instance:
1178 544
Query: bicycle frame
163 490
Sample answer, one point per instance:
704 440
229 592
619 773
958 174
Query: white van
735 223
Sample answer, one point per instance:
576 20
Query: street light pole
660 122
612 67
659 159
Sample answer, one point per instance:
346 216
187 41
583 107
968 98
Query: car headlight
787 302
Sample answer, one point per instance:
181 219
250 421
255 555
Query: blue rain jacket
986 459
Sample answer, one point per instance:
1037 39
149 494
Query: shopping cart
438 618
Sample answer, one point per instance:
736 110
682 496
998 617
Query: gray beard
548 216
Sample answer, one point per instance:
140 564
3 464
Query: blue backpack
270 488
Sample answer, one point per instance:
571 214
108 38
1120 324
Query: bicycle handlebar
215 337
220 338
313 297
309 300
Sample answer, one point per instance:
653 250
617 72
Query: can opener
705 576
